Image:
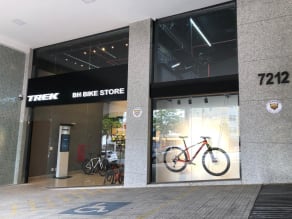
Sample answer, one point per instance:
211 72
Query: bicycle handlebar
204 137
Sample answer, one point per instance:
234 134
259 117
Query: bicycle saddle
205 137
182 136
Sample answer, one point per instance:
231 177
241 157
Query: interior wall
12 67
85 134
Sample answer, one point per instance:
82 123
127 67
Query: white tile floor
75 179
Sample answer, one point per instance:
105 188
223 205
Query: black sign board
97 85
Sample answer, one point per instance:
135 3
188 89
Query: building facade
254 106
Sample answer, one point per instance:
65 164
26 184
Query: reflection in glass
198 44
97 51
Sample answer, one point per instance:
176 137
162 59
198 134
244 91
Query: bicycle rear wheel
86 166
175 159
216 161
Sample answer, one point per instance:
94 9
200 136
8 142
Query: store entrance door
39 157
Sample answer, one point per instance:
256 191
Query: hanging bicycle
215 160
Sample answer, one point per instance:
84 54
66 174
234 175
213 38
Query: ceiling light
84 52
94 51
112 47
126 44
88 1
66 60
103 49
175 65
80 60
18 22
206 100
200 32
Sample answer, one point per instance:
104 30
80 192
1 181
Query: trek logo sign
90 86
42 97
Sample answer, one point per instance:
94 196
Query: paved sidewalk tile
31 201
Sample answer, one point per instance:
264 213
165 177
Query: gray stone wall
138 134
264 46
12 65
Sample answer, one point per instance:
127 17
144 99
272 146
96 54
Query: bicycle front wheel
216 161
175 159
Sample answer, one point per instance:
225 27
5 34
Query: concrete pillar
21 149
264 46
12 64
139 109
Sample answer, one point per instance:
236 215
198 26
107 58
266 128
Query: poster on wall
104 84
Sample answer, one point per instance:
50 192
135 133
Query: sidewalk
32 201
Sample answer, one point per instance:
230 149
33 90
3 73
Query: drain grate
273 201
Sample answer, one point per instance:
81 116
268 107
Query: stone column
264 46
12 64
25 113
138 125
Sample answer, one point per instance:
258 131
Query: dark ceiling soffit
195 87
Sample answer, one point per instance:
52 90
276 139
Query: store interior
97 130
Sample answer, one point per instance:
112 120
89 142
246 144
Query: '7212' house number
274 78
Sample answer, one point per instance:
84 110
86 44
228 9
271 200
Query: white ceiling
26 24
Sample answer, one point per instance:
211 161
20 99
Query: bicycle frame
98 162
203 143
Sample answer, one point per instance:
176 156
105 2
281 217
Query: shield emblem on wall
274 106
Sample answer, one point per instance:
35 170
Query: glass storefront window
194 45
90 99
93 52
190 118
98 130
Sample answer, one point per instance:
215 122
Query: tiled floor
75 179
31 201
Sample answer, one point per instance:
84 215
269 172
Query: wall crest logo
274 106
137 112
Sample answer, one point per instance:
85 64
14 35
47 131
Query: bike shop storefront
78 100
195 111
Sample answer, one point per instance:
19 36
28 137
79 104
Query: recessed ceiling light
88 1
18 22
94 51
84 52
127 44
112 47
103 49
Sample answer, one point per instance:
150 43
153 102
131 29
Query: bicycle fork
214 159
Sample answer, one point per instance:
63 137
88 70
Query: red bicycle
215 160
